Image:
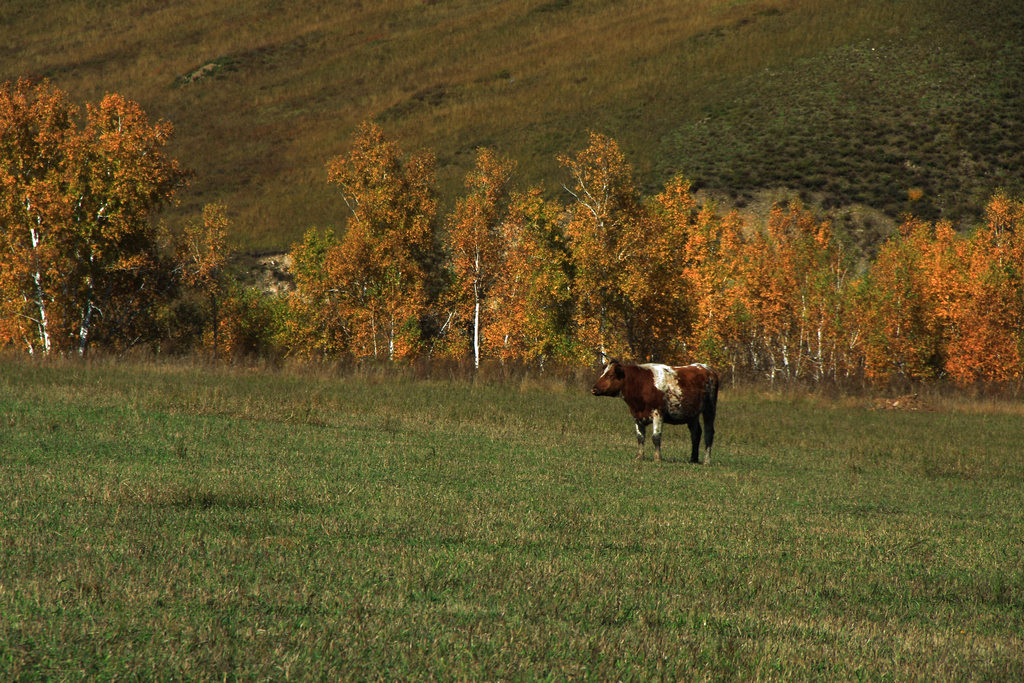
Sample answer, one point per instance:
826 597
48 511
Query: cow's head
611 380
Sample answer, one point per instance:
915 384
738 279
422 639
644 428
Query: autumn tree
316 321
475 240
793 281
982 296
938 301
202 253
81 258
530 306
903 334
712 254
251 322
607 229
37 134
666 285
382 268
123 178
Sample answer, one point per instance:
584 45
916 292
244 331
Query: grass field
165 520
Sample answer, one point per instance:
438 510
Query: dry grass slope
850 103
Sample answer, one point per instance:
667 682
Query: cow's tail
710 407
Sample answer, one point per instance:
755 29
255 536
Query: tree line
507 275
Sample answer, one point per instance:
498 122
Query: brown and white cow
658 393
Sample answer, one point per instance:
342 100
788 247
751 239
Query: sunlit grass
177 520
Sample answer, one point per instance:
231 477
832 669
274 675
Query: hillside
867 108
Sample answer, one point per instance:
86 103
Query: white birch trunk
373 332
391 337
40 302
476 334
476 313
83 330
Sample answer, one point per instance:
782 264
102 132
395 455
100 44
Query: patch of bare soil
907 402
269 272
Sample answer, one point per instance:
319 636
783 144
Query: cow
658 393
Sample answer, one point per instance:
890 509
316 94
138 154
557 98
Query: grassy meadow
869 108
174 520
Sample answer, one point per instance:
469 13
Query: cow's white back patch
667 382
664 376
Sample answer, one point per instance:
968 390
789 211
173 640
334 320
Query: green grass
177 521
853 104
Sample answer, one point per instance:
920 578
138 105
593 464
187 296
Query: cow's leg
709 430
656 436
641 435
709 438
695 431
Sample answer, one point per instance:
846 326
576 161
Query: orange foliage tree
381 269
696 241
773 300
658 282
81 257
936 301
794 281
984 298
531 302
713 275
626 264
476 241
903 334
37 131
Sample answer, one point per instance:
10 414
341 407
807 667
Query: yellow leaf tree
382 267
903 332
985 321
81 257
795 290
203 256
37 130
531 301
673 284
476 241
625 263
316 322
714 273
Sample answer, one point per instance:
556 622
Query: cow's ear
620 371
